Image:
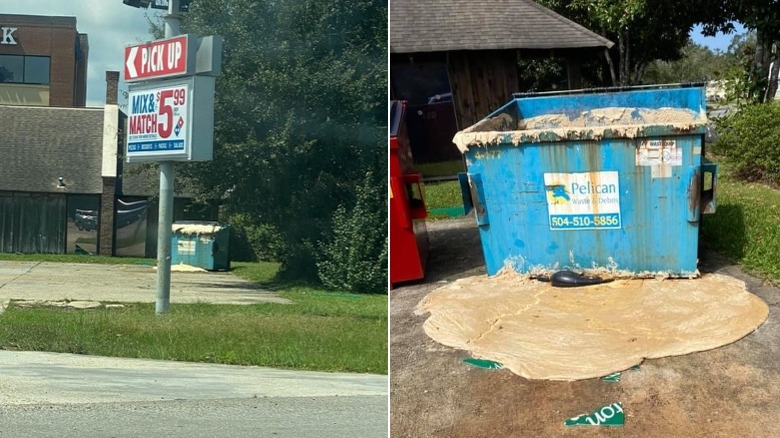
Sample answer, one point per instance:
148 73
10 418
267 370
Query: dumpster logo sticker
557 194
583 201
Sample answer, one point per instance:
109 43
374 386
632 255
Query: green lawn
320 331
443 195
77 258
746 225
444 168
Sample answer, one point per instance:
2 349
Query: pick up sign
157 59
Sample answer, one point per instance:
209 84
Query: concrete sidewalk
45 281
59 378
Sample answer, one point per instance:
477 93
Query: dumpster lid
197 227
627 112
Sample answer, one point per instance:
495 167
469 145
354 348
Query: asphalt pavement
66 395
60 395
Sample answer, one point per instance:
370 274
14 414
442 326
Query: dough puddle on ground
541 332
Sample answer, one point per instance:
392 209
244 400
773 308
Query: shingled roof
447 25
40 144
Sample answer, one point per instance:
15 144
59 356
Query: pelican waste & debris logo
583 201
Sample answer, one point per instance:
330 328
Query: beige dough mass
541 332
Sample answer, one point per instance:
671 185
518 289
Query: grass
444 168
76 258
442 195
745 226
320 331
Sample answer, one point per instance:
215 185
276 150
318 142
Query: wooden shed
463 55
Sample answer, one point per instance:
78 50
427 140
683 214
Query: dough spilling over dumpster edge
541 332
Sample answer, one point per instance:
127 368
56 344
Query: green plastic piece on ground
447 211
609 415
615 377
483 363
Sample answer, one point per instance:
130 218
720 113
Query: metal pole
165 219
164 223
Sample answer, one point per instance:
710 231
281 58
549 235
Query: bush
355 258
251 242
751 140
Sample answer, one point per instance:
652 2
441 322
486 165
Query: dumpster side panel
640 221
688 98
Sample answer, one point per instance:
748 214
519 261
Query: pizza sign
160 120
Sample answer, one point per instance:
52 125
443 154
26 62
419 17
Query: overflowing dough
541 332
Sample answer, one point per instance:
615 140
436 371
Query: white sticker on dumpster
583 201
186 247
657 152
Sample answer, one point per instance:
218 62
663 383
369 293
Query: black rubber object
573 279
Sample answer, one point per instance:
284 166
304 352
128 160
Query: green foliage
697 63
542 74
643 30
300 117
355 258
250 241
743 82
750 139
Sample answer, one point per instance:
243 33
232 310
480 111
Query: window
11 68
24 69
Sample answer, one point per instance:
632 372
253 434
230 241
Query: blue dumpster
200 243
609 179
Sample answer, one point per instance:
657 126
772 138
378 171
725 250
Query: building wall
57 38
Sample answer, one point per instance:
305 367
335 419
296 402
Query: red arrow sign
156 59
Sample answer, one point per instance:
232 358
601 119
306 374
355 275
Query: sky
718 42
110 26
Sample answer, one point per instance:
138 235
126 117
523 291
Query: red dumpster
408 235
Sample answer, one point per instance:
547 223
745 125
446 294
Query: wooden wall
481 81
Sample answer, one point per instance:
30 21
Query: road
65 395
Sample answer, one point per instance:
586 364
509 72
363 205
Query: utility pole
165 219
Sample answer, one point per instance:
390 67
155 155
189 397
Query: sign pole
165 220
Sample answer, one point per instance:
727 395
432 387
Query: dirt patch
728 391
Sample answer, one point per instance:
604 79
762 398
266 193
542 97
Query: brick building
43 61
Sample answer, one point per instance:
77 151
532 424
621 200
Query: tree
697 63
614 18
763 17
645 30
300 116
